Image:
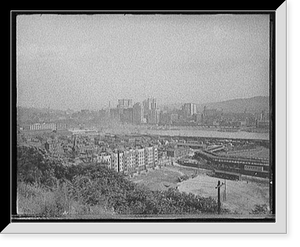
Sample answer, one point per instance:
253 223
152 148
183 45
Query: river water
208 133
185 131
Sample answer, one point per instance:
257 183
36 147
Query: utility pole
219 201
224 195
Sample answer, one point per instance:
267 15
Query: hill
46 188
33 115
252 105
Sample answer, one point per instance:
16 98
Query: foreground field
240 197
164 178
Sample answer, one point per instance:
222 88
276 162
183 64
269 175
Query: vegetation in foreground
48 189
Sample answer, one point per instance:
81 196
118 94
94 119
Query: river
193 132
208 133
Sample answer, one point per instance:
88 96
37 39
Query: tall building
151 112
149 104
138 113
164 117
114 114
189 109
174 117
124 103
127 115
153 116
199 117
125 110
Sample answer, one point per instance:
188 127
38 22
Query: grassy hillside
48 189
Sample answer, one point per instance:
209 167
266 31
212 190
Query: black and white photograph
145 117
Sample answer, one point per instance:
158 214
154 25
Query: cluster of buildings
44 126
128 154
125 154
131 160
146 112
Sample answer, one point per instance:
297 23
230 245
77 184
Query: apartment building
140 159
129 161
120 161
114 162
149 157
155 155
105 158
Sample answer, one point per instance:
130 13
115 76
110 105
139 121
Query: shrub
260 209
48 189
37 200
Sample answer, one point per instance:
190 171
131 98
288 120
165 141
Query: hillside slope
252 105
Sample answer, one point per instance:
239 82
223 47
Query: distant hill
32 115
251 105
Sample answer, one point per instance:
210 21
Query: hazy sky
85 61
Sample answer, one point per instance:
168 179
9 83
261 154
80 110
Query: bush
260 209
46 188
35 200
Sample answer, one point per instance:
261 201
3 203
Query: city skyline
114 105
85 62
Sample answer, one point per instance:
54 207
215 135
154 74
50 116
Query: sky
86 61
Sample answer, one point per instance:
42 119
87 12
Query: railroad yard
258 152
240 197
